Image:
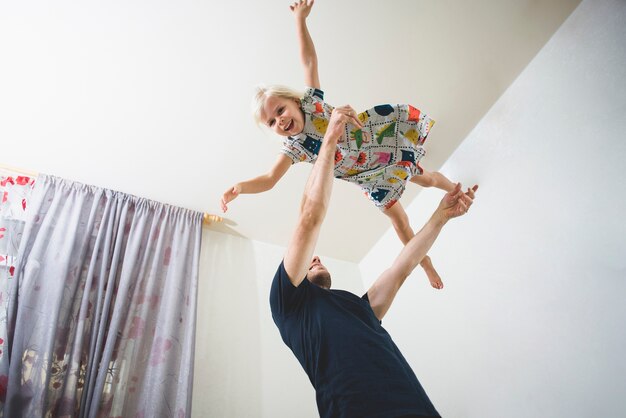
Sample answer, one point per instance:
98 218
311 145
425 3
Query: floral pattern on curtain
101 313
14 195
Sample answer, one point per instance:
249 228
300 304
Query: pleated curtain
100 313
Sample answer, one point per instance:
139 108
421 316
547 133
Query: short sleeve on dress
309 100
314 93
301 148
292 152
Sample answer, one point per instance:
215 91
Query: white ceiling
152 98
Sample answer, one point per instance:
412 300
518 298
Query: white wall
151 97
242 368
532 321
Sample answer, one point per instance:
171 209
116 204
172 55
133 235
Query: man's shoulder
349 295
285 298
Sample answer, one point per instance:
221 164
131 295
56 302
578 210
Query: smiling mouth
288 127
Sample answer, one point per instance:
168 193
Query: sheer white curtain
101 311
15 192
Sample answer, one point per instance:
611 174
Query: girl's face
283 116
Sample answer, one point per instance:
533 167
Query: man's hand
456 203
302 8
338 120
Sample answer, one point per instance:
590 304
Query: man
352 362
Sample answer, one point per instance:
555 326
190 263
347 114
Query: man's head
318 274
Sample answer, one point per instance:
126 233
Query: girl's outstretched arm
301 10
258 184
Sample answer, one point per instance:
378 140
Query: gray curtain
101 312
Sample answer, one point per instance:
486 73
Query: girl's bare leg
400 222
433 179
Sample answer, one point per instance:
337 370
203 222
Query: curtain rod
207 218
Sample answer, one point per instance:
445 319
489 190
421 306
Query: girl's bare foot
433 276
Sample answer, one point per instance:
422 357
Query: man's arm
384 289
308 56
316 198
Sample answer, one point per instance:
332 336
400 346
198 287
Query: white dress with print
381 157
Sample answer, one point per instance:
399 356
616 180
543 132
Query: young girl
380 156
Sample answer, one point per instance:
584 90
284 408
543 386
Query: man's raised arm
384 289
316 198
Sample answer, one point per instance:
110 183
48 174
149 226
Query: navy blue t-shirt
352 362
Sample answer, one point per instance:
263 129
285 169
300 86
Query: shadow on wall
227 371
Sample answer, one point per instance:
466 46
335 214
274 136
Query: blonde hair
275 90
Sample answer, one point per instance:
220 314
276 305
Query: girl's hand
302 8
338 120
229 195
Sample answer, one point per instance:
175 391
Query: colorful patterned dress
380 158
